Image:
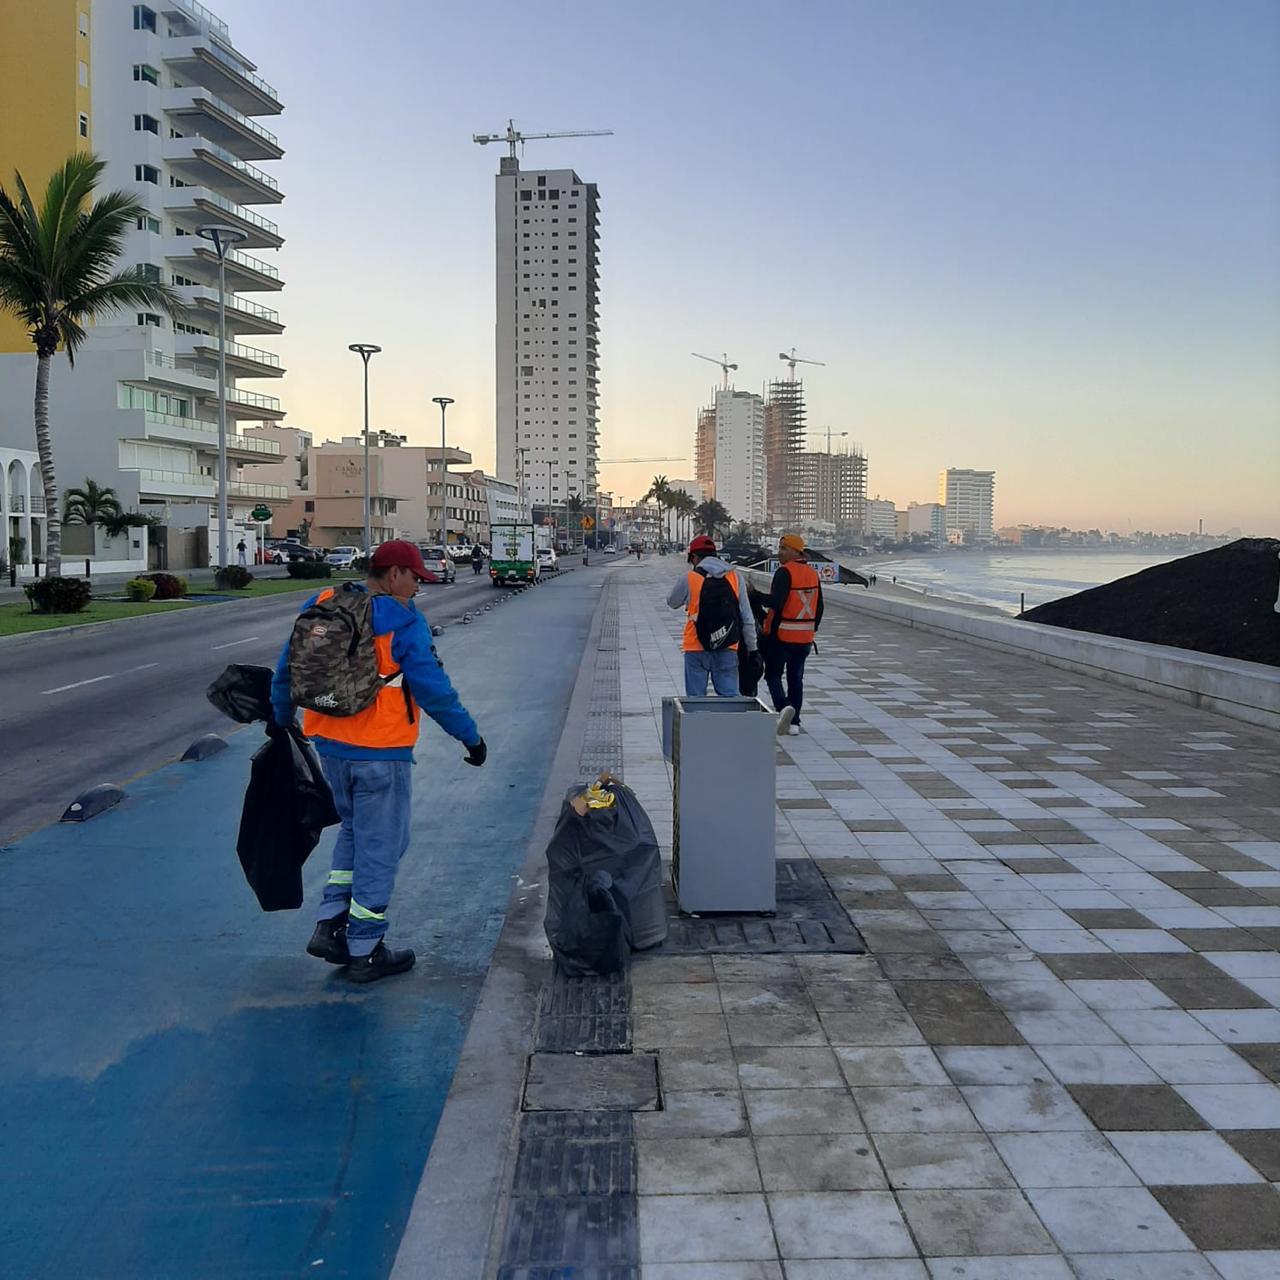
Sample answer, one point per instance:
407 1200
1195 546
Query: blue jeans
372 799
721 666
778 655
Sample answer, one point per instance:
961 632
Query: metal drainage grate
584 1015
809 919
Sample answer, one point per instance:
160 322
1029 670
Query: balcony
242 361
194 207
203 60
208 115
251 406
243 316
173 484
248 489
199 160
193 13
18 504
245 273
150 425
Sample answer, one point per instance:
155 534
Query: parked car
288 549
342 557
438 564
610 550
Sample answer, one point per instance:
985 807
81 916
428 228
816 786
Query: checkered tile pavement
1060 1058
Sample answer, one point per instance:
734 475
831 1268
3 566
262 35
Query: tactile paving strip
602 741
808 920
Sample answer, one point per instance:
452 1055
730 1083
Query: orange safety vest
691 642
391 720
798 624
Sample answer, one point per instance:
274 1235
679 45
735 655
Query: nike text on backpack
718 623
333 664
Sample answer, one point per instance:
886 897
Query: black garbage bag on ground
287 806
243 693
618 840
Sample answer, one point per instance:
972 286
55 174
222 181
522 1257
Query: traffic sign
588 522
261 514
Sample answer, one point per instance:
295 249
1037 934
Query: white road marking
79 684
232 643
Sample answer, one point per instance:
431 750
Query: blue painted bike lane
183 1091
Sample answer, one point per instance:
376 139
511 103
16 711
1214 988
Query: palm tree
573 516
92 504
57 273
684 506
710 516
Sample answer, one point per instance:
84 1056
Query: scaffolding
704 462
784 434
831 487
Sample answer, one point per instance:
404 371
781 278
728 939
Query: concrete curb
1246 691
455 1224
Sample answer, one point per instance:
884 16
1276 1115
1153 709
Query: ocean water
996 578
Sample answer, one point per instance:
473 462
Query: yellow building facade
46 79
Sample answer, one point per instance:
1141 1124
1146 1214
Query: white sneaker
793 731
785 717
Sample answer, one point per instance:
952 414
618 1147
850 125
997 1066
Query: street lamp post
364 350
551 511
444 402
222 238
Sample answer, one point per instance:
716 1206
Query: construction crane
723 362
793 360
514 136
829 432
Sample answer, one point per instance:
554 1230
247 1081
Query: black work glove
477 754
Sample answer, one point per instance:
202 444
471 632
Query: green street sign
261 514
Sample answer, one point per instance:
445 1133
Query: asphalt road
184 1091
107 703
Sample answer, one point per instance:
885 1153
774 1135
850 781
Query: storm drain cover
591 1082
808 920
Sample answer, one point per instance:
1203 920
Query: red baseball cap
403 554
702 546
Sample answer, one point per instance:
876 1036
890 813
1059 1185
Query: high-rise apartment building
547 336
882 518
739 455
784 432
830 488
162 94
928 518
968 499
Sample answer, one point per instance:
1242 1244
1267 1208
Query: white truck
513 559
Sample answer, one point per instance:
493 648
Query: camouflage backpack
333 666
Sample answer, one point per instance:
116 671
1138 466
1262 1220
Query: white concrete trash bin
723 852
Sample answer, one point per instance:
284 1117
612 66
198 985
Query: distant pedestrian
367 755
477 559
719 620
790 626
242 551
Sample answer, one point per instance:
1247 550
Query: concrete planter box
723 848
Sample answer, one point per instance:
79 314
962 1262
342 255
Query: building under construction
704 460
829 488
784 432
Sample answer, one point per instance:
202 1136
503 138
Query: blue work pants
721 666
372 799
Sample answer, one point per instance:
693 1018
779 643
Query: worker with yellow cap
790 625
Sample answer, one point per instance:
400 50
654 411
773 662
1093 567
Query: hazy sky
1036 237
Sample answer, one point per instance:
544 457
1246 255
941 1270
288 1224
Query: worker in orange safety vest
790 626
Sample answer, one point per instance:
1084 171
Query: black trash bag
286 807
619 841
595 928
243 693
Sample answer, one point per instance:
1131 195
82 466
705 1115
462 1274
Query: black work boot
329 941
380 963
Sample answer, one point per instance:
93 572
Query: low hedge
58 595
310 569
232 577
168 585
139 589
